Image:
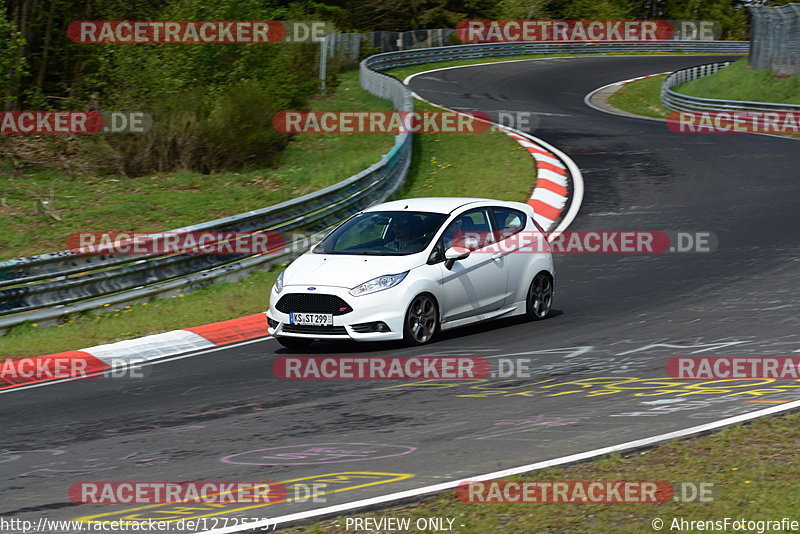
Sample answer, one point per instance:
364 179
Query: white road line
165 359
436 488
546 159
529 467
588 101
547 174
575 172
550 59
549 198
150 347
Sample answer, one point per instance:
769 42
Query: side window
437 254
507 222
471 230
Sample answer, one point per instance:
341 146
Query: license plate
315 319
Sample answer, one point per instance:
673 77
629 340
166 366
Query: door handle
497 256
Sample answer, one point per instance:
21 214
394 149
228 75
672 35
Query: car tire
294 342
540 297
421 321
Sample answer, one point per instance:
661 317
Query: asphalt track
617 319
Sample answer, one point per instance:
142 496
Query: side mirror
454 254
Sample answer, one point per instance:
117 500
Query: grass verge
165 201
219 302
740 82
642 97
756 482
736 82
456 165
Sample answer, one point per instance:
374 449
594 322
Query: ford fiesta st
409 268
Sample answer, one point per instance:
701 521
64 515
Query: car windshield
383 233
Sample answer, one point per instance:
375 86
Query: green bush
238 131
202 132
211 104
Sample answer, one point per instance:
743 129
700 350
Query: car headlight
378 284
279 283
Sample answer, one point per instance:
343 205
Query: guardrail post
323 62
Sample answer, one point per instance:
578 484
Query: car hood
343 270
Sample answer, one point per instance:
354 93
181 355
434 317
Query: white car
409 268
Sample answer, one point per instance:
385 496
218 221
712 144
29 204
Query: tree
730 14
12 61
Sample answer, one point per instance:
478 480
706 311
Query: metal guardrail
64 283
45 287
676 101
390 60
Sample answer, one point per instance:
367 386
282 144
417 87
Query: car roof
439 204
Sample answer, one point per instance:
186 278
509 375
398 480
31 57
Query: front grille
317 330
313 303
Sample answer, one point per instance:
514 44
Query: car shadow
346 348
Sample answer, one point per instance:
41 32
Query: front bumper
376 307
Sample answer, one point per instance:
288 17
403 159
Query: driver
405 239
